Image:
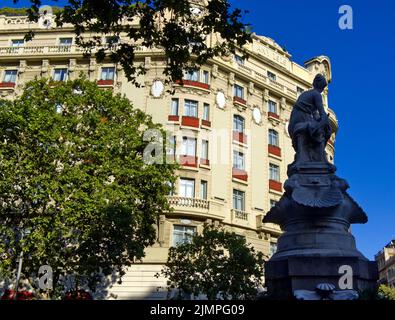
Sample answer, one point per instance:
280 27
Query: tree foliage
386 292
175 26
73 177
7 11
216 263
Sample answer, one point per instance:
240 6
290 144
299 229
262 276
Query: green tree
73 174
181 28
386 292
216 263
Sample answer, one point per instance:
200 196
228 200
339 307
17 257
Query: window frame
272 76
238 121
238 91
106 70
239 59
206 112
66 44
238 195
206 77
272 105
65 74
183 187
186 233
174 106
273 138
203 189
238 160
16 43
13 76
189 106
192 75
188 144
204 150
172 146
274 172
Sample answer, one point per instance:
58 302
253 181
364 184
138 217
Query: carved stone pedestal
317 247
285 276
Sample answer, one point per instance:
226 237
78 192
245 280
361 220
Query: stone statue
315 213
309 125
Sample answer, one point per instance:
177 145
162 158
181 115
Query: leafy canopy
181 28
216 263
74 180
386 292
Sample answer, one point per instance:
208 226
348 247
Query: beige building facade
227 127
386 263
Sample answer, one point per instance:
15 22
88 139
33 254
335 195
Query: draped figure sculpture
309 125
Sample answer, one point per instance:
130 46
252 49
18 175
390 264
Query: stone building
386 262
227 125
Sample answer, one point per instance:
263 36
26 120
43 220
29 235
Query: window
299 90
171 150
174 107
272 203
238 200
273 248
204 154
60 74
272 106
182 234
273 137
206 111
239 59
187 188
271 76
238 160
203 189
111 40
10 76
171 188
192 75
17 42
107 73
188 147
238 123
65 41
238 91
206 76
190 109
274 172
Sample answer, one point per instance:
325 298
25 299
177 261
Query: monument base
285 276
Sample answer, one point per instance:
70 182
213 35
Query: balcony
273 115
188 161
275 185
40 50
274 150
8 85
239 137
195 84
189 202
239 174
190 121
204 162
239 214
173 118
206 123
105 83
239 101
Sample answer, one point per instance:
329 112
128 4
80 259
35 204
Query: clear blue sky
361 92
